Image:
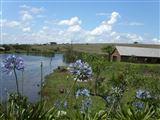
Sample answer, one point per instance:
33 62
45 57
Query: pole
41 79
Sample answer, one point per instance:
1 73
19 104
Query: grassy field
88 48
97 48
63 81
118 81
135 76
138 76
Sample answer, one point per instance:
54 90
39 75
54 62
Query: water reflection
31 76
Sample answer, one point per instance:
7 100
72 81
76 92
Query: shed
2 48
136 54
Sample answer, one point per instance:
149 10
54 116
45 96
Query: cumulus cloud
24 6
26 17
13 24
45 27
75 28
132 23
113 18
33 10
27 29
37 10
136 24
102 14
156 40
106 26
70 22
10 24
67 30
134 37
27 12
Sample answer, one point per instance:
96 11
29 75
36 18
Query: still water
32 75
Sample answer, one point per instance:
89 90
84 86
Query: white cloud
24 6
36 10
102 14
136 24
134 37
117 37
113 18
71 22
40 16
127 38
22 12
33 10
45 27
13 24
156 40
27 29
26 17
113 33
29 12
74 28
106 26
132 23
53 30
10 24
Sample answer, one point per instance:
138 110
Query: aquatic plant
11 64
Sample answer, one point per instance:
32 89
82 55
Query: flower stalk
12 64
17 85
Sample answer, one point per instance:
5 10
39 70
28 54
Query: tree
108 49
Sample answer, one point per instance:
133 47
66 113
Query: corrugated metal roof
138 51
2 48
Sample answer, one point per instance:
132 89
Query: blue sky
80 21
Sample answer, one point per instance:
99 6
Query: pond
32 75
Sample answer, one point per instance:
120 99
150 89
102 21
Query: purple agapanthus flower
86 104
59 105
81 70
11 63
139 105
109 99
82 92
142 94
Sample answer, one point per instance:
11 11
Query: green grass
63 80
140 76
88 48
